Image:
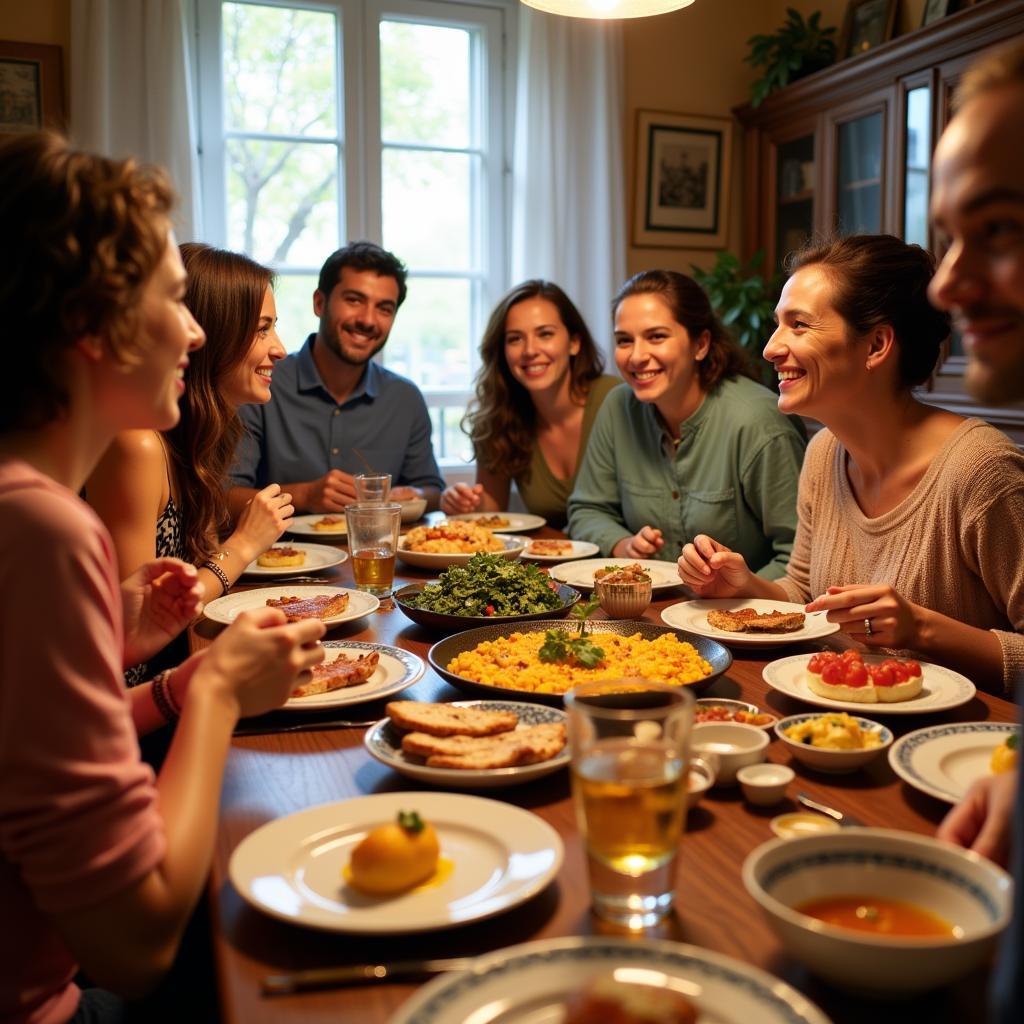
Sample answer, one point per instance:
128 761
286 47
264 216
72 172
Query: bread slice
531 745
343 671
446 720
324 606
274 557
330 524
748 620
549 547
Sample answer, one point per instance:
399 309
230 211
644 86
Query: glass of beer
372 487
372 541
629 740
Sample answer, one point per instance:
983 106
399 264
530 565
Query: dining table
284 763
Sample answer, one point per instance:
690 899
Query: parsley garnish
560 645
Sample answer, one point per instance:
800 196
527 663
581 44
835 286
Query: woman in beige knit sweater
911 518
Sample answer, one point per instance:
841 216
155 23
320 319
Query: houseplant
794 50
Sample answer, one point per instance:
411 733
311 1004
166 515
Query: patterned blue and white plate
531 983
384 742
943 760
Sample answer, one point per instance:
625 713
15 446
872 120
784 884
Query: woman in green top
538 390
692 440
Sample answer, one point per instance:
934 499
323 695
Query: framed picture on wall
935 9
867 24
31 87
682 180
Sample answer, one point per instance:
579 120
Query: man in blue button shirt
335 412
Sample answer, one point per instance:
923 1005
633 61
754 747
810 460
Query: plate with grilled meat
329 604
749 622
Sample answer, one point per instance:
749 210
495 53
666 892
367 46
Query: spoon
831 812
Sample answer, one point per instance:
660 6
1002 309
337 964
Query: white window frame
359 133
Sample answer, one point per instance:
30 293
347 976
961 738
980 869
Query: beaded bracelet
219 573
163 696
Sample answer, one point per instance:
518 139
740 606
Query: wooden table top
276 774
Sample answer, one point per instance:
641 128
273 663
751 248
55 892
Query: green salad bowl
448 624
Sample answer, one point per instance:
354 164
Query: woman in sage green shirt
692 441
538 391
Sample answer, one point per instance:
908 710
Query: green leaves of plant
798 46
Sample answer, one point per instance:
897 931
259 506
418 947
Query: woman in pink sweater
910 517
100 862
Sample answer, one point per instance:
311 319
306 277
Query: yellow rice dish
454 536
512 663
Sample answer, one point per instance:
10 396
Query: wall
691 62
39 21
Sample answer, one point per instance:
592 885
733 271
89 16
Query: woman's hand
260 658
981 820
460 498
644 544
159 599
265 517
711 569
895 621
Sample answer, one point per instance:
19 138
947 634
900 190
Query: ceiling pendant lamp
607 8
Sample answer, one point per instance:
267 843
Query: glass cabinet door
794 196
917 143
859 180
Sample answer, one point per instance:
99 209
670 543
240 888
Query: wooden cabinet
849 149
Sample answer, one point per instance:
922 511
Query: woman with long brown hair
163 493
538 390
693 440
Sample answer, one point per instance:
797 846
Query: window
379 119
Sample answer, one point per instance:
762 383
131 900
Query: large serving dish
943 688
384 742
226 609
513 548
396 670
664 575
517 521
960 886
291 867
943 760
445 650
448 624
318 556
693 617
530 984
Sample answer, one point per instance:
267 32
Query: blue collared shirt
302 432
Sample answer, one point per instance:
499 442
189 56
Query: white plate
442 559
226 609
693 617
303 525
517 521
384 742
529 984
318 556
580 549
943 688
943 760
291 868
396 670
581 574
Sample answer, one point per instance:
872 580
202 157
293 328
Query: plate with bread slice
470 744
749 622
354 671
319 524
289 559
329 604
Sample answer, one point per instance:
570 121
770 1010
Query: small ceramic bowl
736 746
837 761
701 779
729 709
413 509
623 600
765 784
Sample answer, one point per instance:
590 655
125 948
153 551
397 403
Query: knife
354 974
264 729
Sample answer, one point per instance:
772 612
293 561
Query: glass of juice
372 540
372 487
629 740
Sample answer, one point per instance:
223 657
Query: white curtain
132 92
568 207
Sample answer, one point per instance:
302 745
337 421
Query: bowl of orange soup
879 911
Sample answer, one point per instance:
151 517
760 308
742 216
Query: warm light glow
607 8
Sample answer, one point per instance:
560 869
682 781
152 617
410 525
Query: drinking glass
629 741
372 541
372 487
